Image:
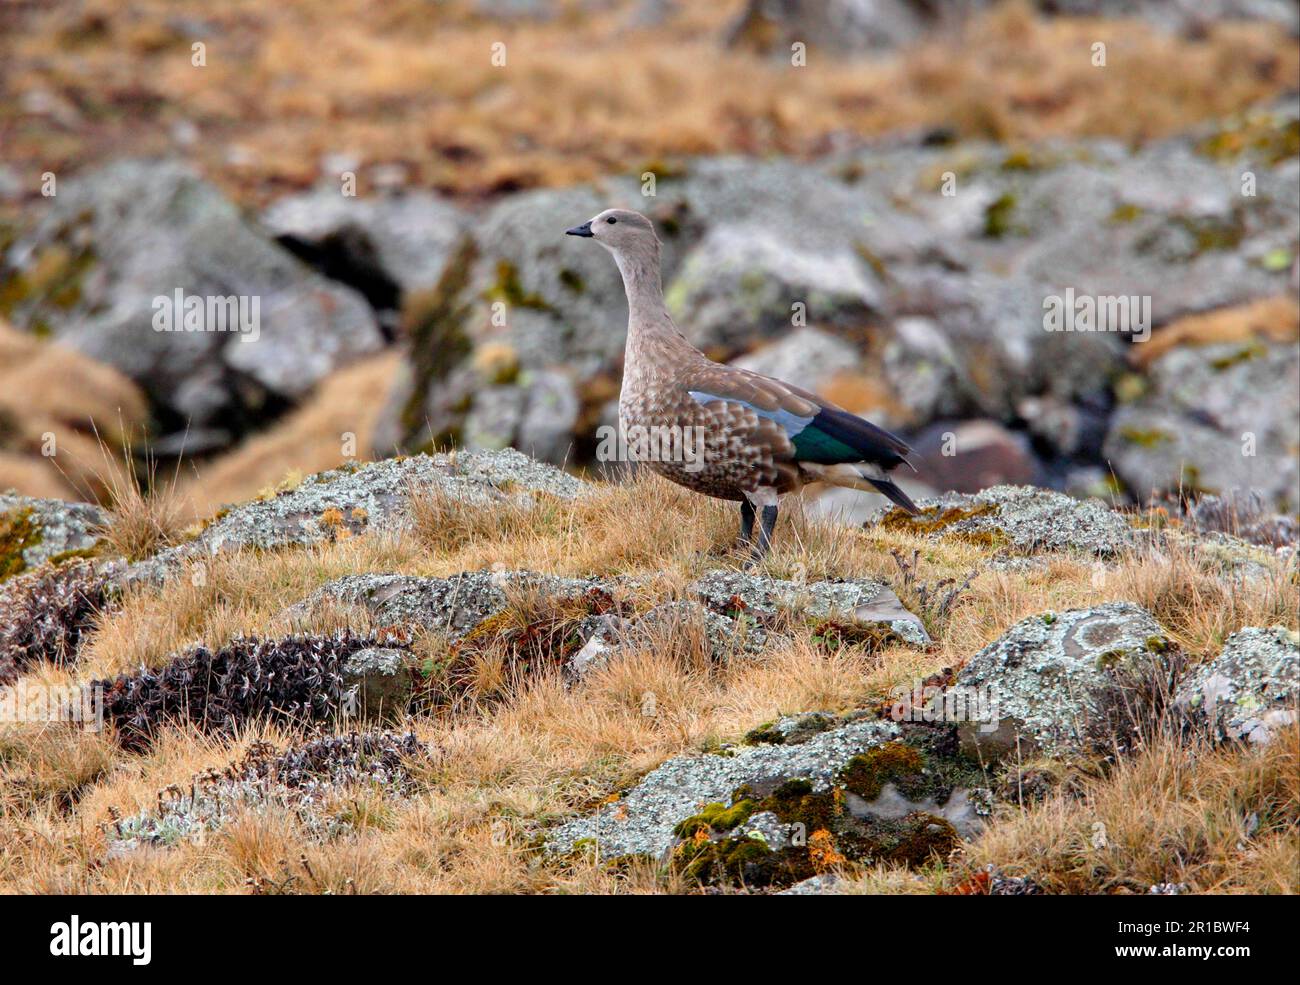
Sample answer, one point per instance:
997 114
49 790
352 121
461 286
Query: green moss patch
940 520
18 532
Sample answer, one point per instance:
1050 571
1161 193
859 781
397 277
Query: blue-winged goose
760 437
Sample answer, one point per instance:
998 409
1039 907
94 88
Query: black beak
583 230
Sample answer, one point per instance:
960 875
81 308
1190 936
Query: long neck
651 334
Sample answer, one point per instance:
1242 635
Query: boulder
724 638
1250 690
1214 419
385 246
806 357
853 27
857 789
378 683
943 306
737 593
359 498
741 284
454 606
1019 518
33 531
1241 514
118 239
1056 683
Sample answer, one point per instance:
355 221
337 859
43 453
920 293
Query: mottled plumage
760 437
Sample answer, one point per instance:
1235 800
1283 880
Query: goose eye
611 220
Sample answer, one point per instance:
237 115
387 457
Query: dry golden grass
520 751
1217 820
1275 319
54 399
412 83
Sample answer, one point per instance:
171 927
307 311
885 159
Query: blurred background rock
773 184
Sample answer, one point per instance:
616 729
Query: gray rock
924 367
840 791
550 411
34 530
1054 682
1242 514
848 27
741 283
495 417
378 682
807 357
454 606
1023 518
724 637
134 231
1214 419
823 885
405 238
359 498
941 297
838 27
863 601
642 821
1249 691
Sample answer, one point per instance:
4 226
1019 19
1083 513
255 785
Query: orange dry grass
1217 820
53 399
413 83
520 751
1275 319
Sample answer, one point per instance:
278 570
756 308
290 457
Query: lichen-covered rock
1250 690
1021 518
118 238
942 298
1214 419
299 779
33 531
722 637
1056 682
846 27
864 601
823 885
454 606
360 498
739 285
774 814
378 682
1240 514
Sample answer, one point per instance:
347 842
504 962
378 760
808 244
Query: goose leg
764 534
746 523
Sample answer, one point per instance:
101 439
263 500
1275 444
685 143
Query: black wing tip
896 495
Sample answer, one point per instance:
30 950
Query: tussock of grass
144 516
1217 820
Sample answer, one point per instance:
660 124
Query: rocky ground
904 270
336 655
477 673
